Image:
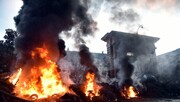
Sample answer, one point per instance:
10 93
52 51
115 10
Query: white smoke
66 68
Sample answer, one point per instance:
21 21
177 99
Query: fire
91 89
42 79
14 78
129 92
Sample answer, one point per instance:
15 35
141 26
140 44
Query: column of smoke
125 72
39 22
87 60
65 66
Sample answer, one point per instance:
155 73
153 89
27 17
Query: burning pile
127 89
40 78
38 50
43 79
91 88
129 92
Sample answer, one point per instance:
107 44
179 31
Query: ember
43 79
91 89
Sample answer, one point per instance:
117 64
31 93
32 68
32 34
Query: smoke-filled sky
160 18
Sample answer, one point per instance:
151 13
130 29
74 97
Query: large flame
43 78
129 92
91 89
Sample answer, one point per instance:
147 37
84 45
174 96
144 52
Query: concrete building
169 66
121 44
73 59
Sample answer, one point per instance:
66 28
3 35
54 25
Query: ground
152 100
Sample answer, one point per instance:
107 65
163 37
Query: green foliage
7 55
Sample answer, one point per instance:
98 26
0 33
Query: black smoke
87 60
127 69
61 47
39 22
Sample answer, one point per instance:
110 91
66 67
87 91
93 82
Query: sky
159 18
8 9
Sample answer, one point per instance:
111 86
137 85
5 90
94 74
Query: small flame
129 92
91 88
14 78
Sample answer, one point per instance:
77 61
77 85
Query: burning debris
38 75
127 89
91 88
129 92
38 47
42 79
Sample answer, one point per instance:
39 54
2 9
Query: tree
7 55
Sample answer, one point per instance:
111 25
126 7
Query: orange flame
14 78
43 79
91 89
129 92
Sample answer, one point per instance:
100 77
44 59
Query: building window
130 54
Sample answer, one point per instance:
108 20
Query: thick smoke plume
87 60
128 69
125 72
40 22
